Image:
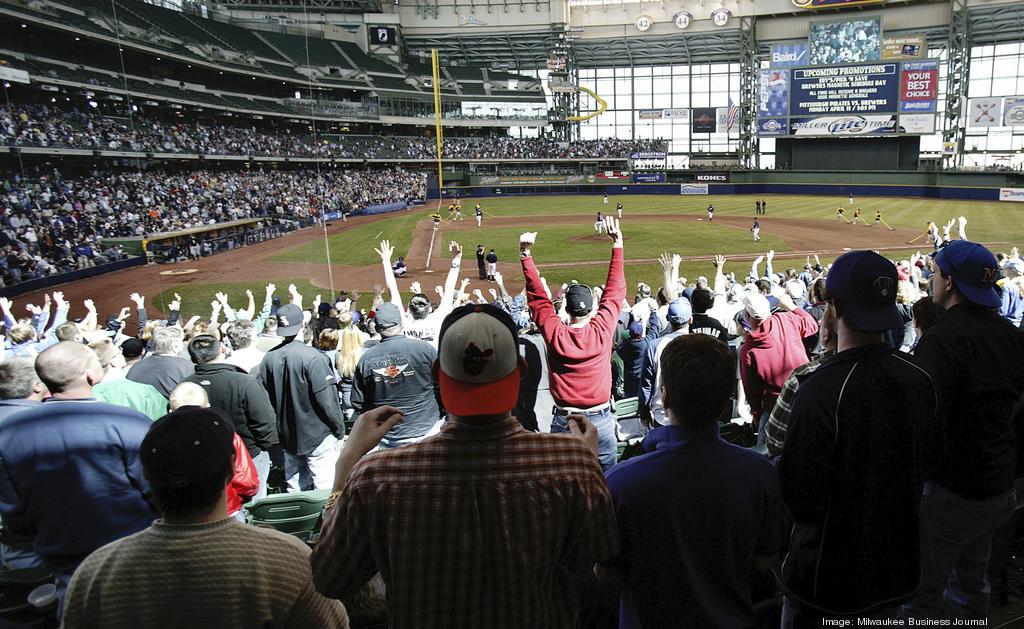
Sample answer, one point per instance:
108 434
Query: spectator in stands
673 572
701 300
863 416
652 409
241 398
772 348
778 420
116 389
163 367
578 353
1011 306
269 339
508 516
350 350
71 475
302 389
245 482
20 386
925 312
241 334
396 372
150 579
974 355
632 349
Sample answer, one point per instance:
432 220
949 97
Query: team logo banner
704 120
905 47
650 114
677 114
844 125
1013 111
919 86
772 126
984 112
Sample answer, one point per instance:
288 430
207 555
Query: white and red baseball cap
478 359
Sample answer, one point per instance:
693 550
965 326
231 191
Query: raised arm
768 263
385 252
448 299
88 323
670 274
541 308
610 303
141 316
753 267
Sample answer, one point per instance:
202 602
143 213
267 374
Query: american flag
734 111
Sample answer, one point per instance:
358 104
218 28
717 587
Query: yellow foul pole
437 122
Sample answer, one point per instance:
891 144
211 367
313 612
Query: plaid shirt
779 418
479 526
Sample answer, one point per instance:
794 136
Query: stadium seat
297 514
627 408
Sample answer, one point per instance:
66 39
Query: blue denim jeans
956 541
604 421
314 470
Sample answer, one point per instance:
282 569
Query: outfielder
711 212
479 215
606 198
618 209
757 230
599 224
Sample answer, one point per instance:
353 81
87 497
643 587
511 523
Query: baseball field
567 246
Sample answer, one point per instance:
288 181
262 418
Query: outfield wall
934 185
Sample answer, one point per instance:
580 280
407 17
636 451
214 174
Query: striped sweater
222 574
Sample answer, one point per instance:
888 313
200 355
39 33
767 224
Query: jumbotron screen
846 81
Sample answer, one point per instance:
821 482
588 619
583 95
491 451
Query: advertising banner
693 188
788 55
1011 194
772 126
845 89
716 177
677 114
844 125
917 124
704 120
650 114
13 75
919 86
773 93
648 155
904 47
1013 111
648 177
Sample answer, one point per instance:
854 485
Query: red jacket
770 353
579 358
245 482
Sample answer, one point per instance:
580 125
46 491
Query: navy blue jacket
632 351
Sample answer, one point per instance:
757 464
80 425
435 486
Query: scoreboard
845 100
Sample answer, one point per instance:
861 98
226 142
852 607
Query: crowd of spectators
868 406
53 223
48 126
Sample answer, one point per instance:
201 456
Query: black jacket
975 357
852 477
232 390
303 391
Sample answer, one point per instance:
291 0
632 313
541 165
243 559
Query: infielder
599 224
606 198
711 212
856 216
839 213
618 209
851 198
878 218
757 230
479 215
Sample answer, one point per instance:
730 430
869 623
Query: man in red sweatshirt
772 348
579 353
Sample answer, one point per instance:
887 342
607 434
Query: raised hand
248 293
138 300
479 296
1014 253
34 309
316 302
124 314
271 287
611 226
526 241
494 294
666 261
771 255
215 305
463 285
455 250
817 260
440 291
378 290
498 278
221 297
415 288
758 260
58 298
176 303
386 250
719 262
89 304
5 304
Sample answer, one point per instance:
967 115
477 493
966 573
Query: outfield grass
356 246
568 243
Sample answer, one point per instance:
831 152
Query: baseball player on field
606 198
856 216
757 230
599 224
839 213
711 212
479 215
618 208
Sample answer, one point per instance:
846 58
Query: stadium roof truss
337 6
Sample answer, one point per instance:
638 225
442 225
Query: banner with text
693 188
904 47
865 89
1011 194
844 125
919 86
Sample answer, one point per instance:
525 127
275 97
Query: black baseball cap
865 284
579 299
187 445
289 320
132 347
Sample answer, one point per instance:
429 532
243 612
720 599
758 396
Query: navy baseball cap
865 284
679 311
636 329
973 268
579 299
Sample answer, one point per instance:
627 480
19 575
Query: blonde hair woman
350 348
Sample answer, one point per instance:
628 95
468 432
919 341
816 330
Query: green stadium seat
627 408
299 514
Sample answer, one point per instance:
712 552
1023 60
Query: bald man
71 476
